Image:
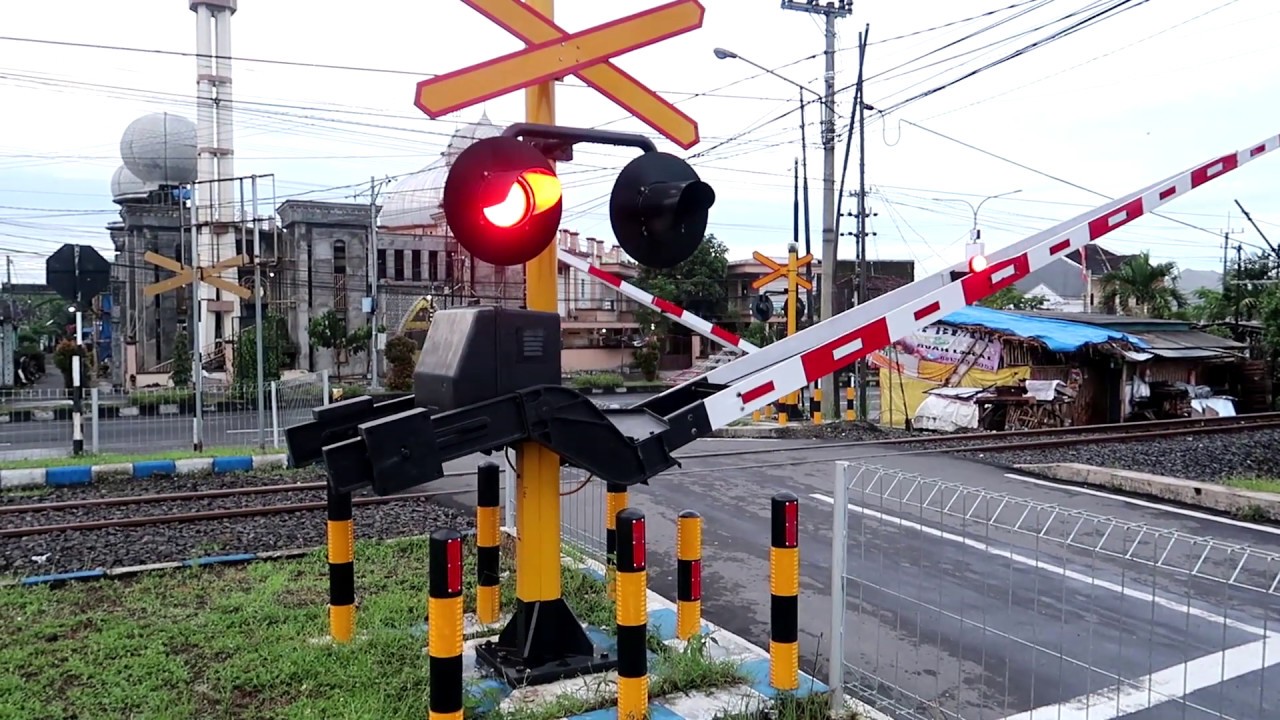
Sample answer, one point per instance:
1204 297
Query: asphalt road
951 617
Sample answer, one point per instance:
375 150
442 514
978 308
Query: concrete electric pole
831 11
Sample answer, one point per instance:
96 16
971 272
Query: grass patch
250 642
1254 483
790 707
230 642
112 458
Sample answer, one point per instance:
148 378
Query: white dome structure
160 148
125 186
414 201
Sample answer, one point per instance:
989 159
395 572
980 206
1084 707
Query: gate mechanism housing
489 378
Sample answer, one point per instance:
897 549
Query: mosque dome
125 186
414 201
160 148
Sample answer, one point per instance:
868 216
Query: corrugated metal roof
1190 345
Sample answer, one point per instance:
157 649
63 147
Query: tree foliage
697 285
180 371
1011 298
246 358
329 331
401 356
759 334
1143 288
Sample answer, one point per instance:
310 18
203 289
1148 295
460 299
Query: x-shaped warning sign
184 275
780 271
553 53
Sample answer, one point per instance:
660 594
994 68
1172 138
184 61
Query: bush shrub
401 355
597 381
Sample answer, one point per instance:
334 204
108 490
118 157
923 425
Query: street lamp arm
724 54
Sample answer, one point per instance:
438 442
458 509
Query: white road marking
1130 696
1127 591
1160 687
1145 503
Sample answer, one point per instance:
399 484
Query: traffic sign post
79 274
552 53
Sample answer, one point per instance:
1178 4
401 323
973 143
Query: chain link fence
582 509
952 601
39 422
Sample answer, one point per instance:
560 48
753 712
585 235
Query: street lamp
723 54
975 234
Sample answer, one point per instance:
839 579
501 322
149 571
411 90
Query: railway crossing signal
791 271
503 200
552 53
184 275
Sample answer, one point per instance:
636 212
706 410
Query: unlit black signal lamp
659 209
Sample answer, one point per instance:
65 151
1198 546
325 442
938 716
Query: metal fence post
839 566
275 415
324 381
93 420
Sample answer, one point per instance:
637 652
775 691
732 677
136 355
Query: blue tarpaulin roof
1057 335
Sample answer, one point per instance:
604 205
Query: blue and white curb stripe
71 475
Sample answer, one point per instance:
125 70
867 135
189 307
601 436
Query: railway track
966 442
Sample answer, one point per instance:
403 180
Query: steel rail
209 515
1146 428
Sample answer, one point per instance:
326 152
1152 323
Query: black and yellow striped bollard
341 534
784 588
615 502
850 406
688 574
444 624
488 496
784 409
815 406
632 615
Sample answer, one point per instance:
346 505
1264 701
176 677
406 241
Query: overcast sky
1142 92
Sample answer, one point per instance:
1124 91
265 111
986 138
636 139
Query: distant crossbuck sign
780 270
552 53
185 275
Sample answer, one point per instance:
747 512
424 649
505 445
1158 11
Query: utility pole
861 296
831 11
1239 275
372 267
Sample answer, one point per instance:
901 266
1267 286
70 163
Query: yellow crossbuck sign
184 275
780 271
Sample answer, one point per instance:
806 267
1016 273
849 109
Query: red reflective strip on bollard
695 584
453 553
791 518
637 544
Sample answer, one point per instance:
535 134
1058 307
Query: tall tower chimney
215 194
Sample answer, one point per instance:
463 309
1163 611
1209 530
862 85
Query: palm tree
1143 288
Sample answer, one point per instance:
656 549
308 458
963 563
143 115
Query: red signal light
532 192
978 263
502 201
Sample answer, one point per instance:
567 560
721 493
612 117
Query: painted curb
1210 496
74 475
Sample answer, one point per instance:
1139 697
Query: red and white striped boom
764 376
703 327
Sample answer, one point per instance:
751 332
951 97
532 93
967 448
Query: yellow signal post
789 405
537 468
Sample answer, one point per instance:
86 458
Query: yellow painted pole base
688 618
633 698
784 665
487 604
342 623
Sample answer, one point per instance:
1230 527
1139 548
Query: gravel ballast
1210 457
116 547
